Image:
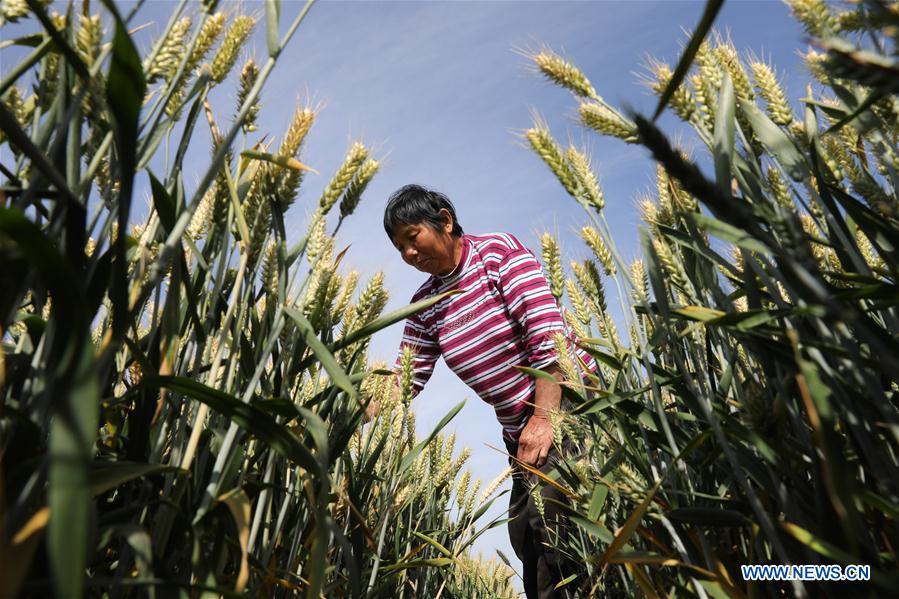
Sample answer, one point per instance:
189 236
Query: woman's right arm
424 349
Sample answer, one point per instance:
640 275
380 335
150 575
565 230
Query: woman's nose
409 252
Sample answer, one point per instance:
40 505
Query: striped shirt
505 316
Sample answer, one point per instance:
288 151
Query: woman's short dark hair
413 204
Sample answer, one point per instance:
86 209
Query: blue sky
442 92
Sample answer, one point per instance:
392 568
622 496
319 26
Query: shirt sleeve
531 304
425 351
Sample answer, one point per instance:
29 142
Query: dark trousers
532 535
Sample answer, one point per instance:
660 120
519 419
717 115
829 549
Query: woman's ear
447 220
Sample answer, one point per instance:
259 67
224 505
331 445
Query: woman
505 316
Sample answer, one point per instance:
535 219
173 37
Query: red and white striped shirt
505 316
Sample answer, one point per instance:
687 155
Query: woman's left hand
535 441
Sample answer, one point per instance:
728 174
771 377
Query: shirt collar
453 276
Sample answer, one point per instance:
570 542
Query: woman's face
427 249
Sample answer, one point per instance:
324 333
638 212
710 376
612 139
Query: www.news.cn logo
830 572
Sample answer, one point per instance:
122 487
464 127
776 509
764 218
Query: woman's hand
374 405
536 437
371 410
535 441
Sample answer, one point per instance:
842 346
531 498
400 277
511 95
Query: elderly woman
504 317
